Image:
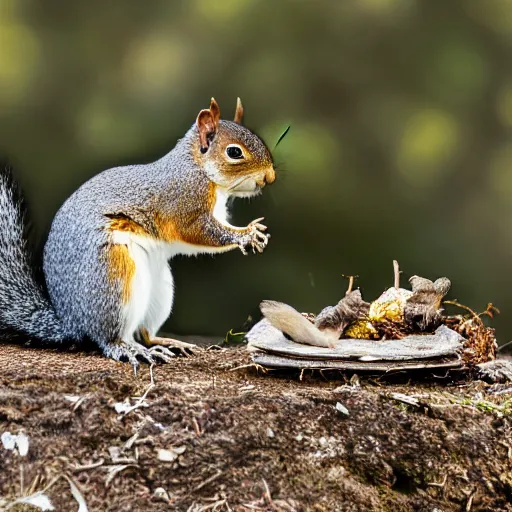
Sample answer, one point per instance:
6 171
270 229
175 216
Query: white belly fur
152 287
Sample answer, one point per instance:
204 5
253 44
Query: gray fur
23 304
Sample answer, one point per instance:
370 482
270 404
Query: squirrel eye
234 152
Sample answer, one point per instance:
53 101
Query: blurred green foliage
400 143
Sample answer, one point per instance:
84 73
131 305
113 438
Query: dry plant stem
268 497
208 480
197 429
439 484
86 467
256 366
351 280
22 480
396 270
34 484
455 303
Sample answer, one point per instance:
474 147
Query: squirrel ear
206 127
215 110
207 123
239 112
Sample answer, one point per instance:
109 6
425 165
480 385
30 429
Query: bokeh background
400 143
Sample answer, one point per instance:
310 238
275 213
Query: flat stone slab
444 346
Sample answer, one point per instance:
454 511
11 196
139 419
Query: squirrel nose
270 175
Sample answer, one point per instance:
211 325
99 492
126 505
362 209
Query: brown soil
251 441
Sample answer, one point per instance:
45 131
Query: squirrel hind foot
182 347
133 352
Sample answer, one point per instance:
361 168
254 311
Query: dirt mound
214 434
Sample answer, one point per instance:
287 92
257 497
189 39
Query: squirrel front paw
254 237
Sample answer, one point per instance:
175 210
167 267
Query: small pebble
161 493
342 409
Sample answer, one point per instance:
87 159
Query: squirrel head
232 156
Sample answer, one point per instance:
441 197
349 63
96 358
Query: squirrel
106 275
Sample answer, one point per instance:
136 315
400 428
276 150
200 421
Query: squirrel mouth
246 187
247 193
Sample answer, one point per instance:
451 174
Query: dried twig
351 280
22 479
256 366
141 401
34 484
87 467
114 470
396 271
208 481
267 496
195 424
439 484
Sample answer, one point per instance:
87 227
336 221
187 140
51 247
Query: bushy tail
24 306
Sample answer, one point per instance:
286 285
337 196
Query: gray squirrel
105 262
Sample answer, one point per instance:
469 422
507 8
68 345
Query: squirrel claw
255 237
135 352
163 353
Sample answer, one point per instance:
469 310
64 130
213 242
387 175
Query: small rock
12 441
122 407
170 455
114 452
342 409
161 494
270 433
